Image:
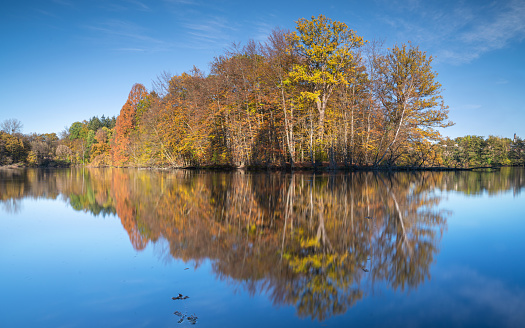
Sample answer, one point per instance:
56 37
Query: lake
141 248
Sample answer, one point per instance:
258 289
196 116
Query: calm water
111 247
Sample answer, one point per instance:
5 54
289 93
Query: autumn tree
281 58
327 50
353 116
100 149
411 100
312 93
63 153
43 148
179 120
11 149
125 124
241 103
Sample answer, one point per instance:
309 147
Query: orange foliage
125 124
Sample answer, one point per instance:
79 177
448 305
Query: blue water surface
66 264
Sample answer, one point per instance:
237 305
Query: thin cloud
64 3
139 5
262 30
125 5
183 2
209 32
497 297
507 25
125 34
130 36
46 13
460 32
130 50
113 7
480 33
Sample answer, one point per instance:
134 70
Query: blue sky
64 61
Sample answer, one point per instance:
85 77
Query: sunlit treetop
327 47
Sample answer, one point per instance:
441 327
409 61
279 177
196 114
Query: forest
317 97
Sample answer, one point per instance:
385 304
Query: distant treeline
318 96
74 145
476 151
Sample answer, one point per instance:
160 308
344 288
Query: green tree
77 131
94 124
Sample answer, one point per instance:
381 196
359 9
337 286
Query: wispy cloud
202 25
467 297
127 36
210 31
460 31
124 6
182 2
46 13
130 49
484 33
496 297
506 25
262 30
64 3
124 29
139 5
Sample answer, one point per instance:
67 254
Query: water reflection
320 243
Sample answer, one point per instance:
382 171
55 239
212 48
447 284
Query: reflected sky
111 247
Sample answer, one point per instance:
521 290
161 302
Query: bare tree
161 84
11 126
63 152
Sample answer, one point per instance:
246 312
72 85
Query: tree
108 122
125 124
41 151
410 98
326 49
63 153
77 131
281 58
11 126
517 151
94 124
11 148
78 134
315 91
43 147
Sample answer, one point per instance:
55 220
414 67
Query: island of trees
320 96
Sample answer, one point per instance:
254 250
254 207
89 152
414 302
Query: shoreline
298 167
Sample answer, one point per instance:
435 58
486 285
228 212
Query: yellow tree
280 59
326 49
410 98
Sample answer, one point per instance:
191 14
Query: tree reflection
317 242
